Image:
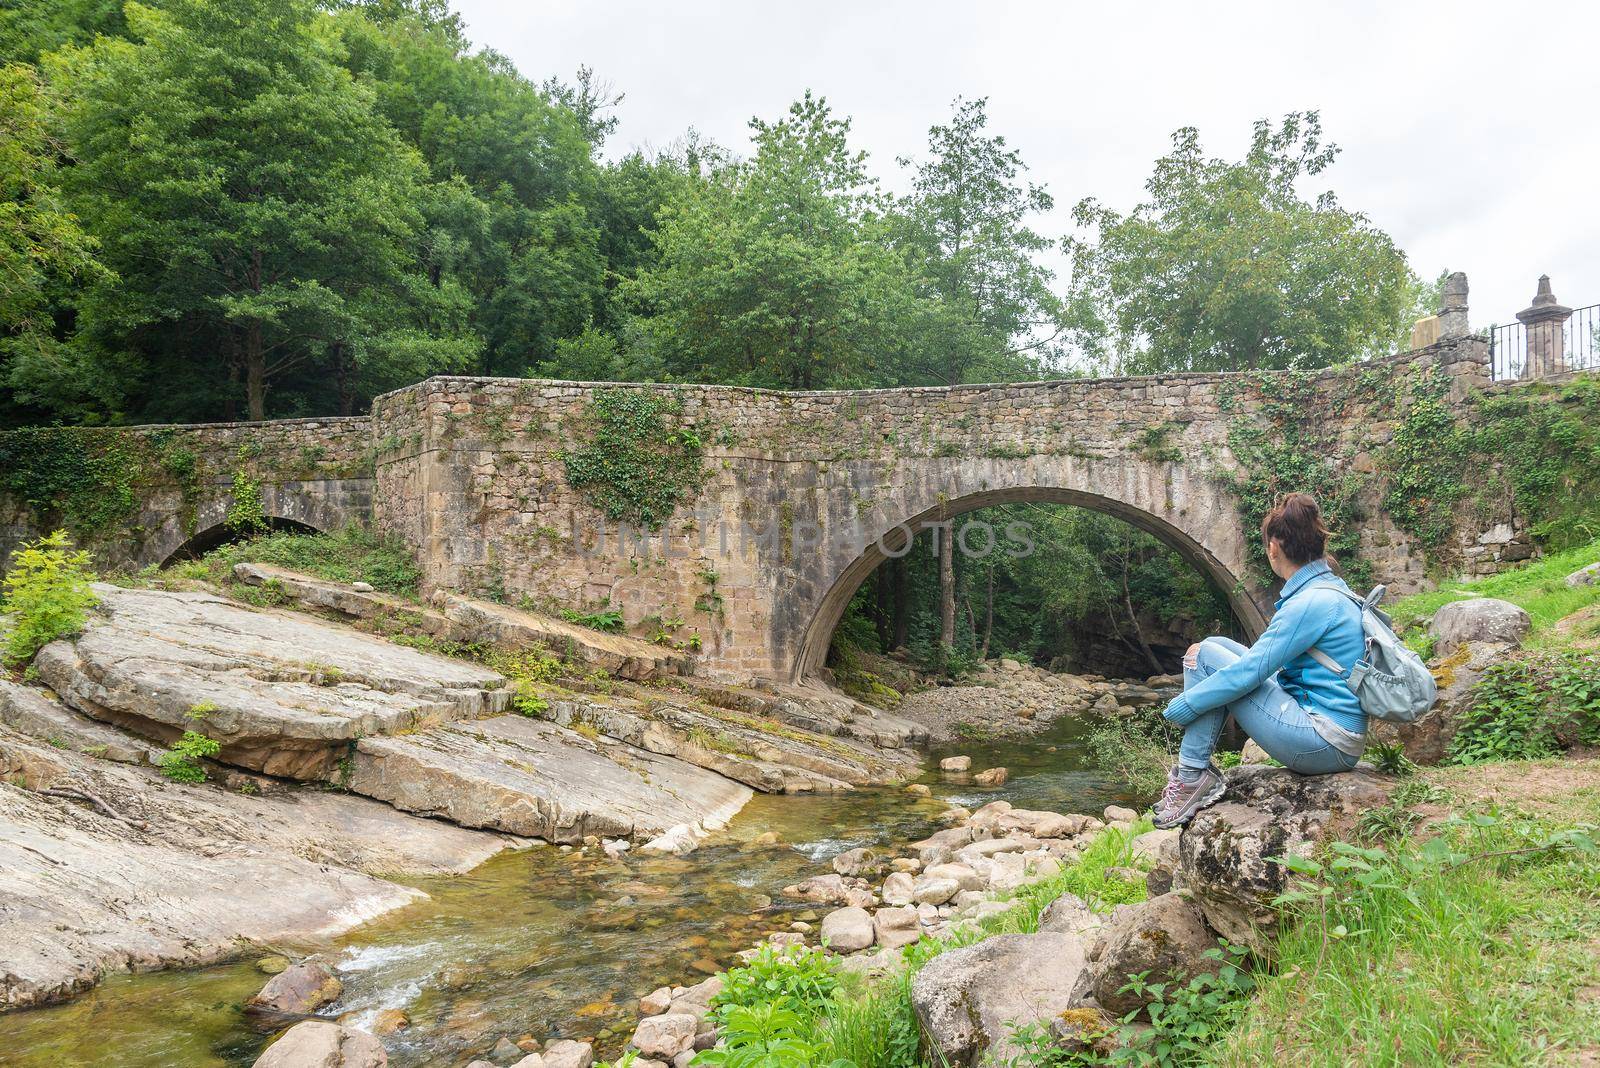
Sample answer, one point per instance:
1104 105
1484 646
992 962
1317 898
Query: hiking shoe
1181 800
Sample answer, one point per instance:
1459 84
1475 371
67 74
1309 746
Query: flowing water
542 942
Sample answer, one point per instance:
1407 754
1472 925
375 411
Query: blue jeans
1278 723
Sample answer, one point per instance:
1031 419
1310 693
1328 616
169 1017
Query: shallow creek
543 942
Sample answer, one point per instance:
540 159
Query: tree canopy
1227 266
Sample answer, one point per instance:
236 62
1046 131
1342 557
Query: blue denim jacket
1304 617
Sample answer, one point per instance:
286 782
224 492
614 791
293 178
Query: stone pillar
1453 308
1545 321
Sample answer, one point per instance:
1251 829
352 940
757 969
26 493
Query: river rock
970 1001
956 764
856 862
1069 914
317 1044
1267 812
665 1036
823 889
566 1053
1165 937
1585 576
896 927
1252 753
934 891
656 1002
966 877
1155 846
1479 619
991 777
298 990
1120 814
848 929
899 888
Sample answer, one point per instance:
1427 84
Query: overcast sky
1471 131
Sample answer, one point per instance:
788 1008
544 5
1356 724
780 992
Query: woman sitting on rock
1300 711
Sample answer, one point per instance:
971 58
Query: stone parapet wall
136 495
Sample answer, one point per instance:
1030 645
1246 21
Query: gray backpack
1391 682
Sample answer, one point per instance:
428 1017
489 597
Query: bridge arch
1193 516
302 506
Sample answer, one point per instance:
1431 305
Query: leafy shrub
47 595
181 763
1390 758
766 1036
1527 709
350 555
801 978
1186 1019
1137 750
603 618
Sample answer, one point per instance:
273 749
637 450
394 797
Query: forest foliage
245 209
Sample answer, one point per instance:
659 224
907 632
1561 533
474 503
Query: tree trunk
902 605
1133 617
881 606
988 616
344 380
947 584
255 381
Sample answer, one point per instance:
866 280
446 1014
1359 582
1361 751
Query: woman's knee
1213 653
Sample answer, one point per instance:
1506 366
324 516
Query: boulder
1087 1031
298 990
1480 619
656 1002
1585 576
1253 753
1226 849
991 777
565 1053
848 929
319 1044
1165 937
1120 814
956 764
665 1037
970 1001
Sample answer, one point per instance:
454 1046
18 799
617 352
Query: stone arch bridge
798 495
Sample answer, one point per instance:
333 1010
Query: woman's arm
1296 627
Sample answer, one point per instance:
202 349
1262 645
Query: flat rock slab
533 778
36 713
191 873
284 693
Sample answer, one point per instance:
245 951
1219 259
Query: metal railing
1536 350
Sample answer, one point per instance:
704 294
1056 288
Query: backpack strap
1323 658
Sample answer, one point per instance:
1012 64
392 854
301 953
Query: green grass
1439 959
351 555
1539 588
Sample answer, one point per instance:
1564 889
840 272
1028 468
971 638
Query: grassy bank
1539 588
1464 940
